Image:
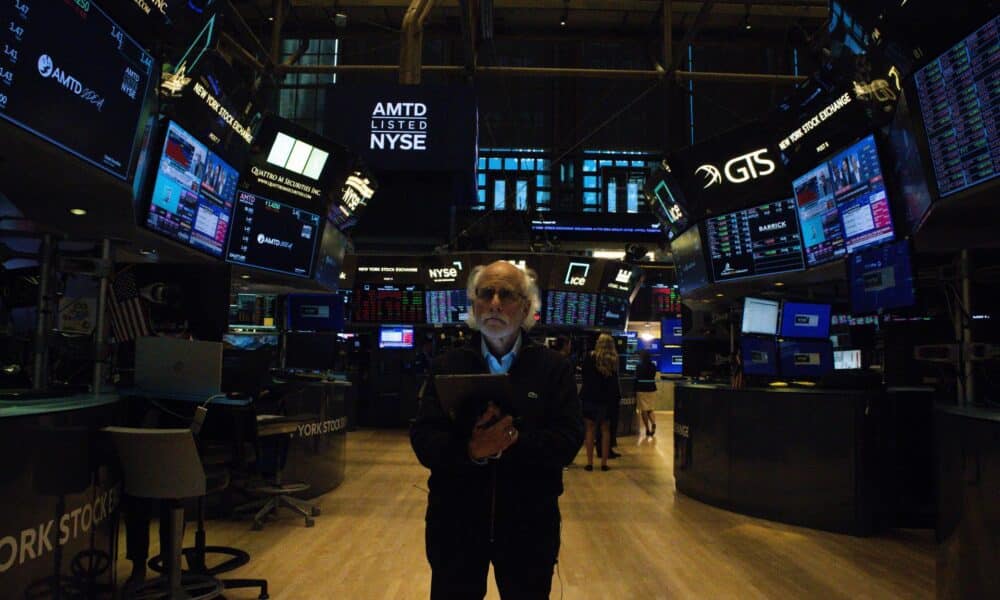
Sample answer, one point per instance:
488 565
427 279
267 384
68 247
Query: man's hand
491 440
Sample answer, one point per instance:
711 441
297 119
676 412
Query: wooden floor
626 534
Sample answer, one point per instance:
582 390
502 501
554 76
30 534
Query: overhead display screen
273 236
763 240
666 299
330 258
570 308
689 260
881 278
612 312
71 76
446 307
193 194
960 105
388 303
843 205
908 166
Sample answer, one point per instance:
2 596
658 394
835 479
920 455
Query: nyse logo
623 276
130 83
443 274
576 274
738 170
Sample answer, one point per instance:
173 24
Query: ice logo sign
576 274
48 70
741 169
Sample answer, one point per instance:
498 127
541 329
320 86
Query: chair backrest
159 463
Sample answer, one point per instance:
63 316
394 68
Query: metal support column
103 273
412 43
276 26
966 309
40 372
668 34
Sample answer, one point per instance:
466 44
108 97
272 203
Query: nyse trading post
71 76
763 240
960 103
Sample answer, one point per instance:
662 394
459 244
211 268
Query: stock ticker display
272 235
388 304
666 300
446 307
71 76
756 241
570 308
959 96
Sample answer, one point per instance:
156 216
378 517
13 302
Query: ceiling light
719 295
244 276
565 15
779 284
77 212
147 251
746 19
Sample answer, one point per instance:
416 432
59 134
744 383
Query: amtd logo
399 126
576 274
47 69
738 170
270 241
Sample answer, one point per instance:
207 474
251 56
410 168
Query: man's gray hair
529 282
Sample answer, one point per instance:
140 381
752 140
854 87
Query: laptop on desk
178 369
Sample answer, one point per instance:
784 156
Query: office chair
164 464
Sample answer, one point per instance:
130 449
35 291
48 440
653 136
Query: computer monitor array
671 332
315 312
805 320
759 356
671 360
806 358
760 316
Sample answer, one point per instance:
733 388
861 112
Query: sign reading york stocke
402 128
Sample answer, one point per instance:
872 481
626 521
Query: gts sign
741 169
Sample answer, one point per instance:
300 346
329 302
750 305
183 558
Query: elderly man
494 490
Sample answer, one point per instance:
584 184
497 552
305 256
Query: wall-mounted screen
842 204
806 358
71 76
446 307
671 360
252 311
760 316
315 312
689 260
763 240
395 336
666 299
846 360
374 303
671 332
805 320
330 257
908 167
612 311
193 193
273 236
881 278
759 356
960 106
570 308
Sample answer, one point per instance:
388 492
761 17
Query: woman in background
599 395
645 391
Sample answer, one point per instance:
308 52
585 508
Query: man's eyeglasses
506 295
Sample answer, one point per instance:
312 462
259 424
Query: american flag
129 318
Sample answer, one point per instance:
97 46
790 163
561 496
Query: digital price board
763 240
388 304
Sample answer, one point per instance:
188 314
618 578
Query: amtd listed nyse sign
399 126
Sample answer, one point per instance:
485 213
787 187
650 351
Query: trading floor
626 534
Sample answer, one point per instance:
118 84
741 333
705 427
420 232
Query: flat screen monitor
763 240
760 316
395 336
330 257
666 299
671 361
805 320
759 356
842 204
908 167
315 312
957 97
612 312
75 79
193 193
689 260
388 303
663 200
671 332
273 236
446 307
846 360
881 278
570 308
800 358
250 341
254 311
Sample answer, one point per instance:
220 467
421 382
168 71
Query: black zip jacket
528 476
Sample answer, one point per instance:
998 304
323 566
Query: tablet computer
465 397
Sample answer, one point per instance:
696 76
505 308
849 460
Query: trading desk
59 496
